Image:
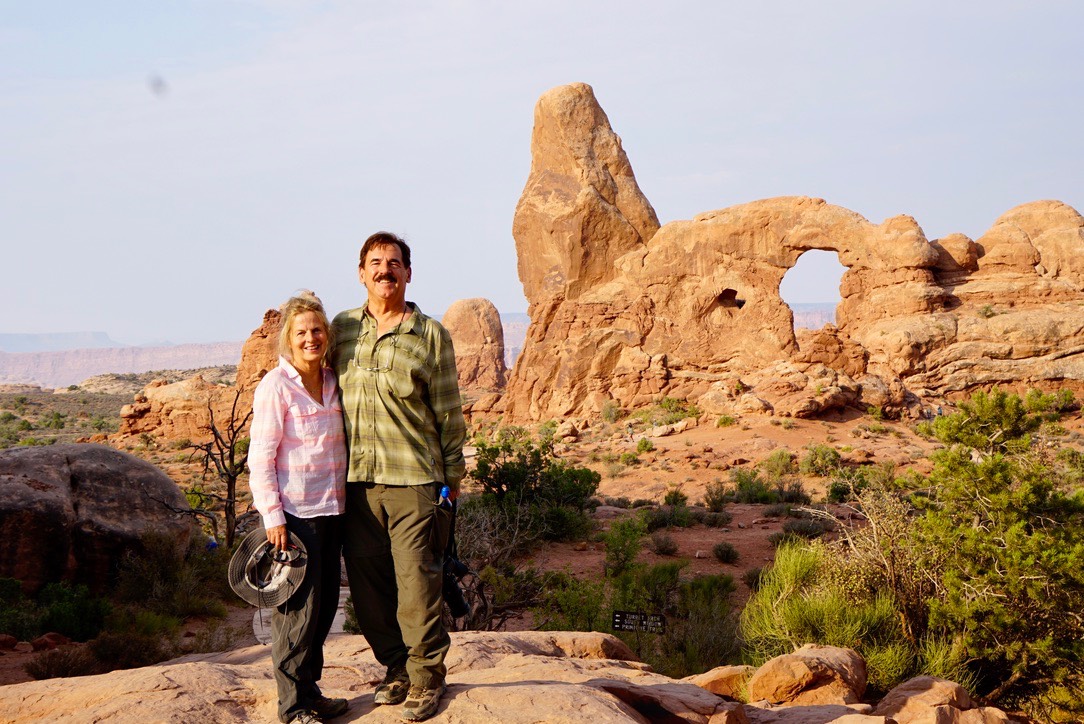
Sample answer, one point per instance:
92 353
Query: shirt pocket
400 383
304 422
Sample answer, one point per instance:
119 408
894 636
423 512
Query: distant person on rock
297 458
405 432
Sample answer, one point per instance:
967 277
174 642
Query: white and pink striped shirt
297 454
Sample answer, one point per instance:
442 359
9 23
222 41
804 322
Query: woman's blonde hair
303 301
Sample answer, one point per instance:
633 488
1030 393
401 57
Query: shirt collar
293 374
368 321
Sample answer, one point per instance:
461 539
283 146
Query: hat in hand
263 575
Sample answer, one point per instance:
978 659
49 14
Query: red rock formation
624 310
475 326
180 410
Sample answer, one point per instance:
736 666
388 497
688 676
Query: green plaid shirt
400 398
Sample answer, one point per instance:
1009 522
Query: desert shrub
611 412
752 578
642 503
777 465
1013 555
792 607
571 604
668 516
547 430
628 458
644 445
777 510
783 538
725 552
724 421
525 485
667 411
175 579
72 611
819 460
806 528
717 520
1052 405
623 542
130 649
994 422
846 485
703 632
749 488
63 663
791 492
675 496
621 502
663 544
716 496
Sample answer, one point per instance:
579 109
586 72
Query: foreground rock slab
493 677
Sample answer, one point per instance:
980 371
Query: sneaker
326 708
422 703
304 717
395 686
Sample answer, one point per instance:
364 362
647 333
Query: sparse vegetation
725 552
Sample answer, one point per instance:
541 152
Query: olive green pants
394 543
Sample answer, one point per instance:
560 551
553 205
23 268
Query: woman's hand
277 537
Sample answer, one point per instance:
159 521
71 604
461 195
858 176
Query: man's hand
277 537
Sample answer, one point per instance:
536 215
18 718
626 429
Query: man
405 433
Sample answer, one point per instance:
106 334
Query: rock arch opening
811 289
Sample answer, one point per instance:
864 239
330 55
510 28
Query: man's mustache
385 278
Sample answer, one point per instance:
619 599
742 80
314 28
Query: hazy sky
169 169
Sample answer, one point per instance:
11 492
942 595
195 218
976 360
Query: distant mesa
625 311
55 342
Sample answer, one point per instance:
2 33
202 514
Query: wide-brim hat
263 576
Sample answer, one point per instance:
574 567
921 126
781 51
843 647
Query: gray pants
300 626
394 550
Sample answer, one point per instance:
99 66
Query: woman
297 459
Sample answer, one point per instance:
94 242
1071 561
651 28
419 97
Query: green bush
175 580
63 663
663 544
791 492
994 422
725 552
72 611
724 421
644 445
621 502
749 488
777 510
820 460
623 542
717 520
629 458
793 606
846 485
668 516
611 412
777 465
716 496
675 496
805 528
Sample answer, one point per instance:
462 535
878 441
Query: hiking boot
326 708
304 717
395 686
422 703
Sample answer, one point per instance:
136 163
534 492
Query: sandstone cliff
624 310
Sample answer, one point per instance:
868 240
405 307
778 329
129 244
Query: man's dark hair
385 238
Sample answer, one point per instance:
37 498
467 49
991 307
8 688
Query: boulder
930 699
811 675
70 512
475 327
725 681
